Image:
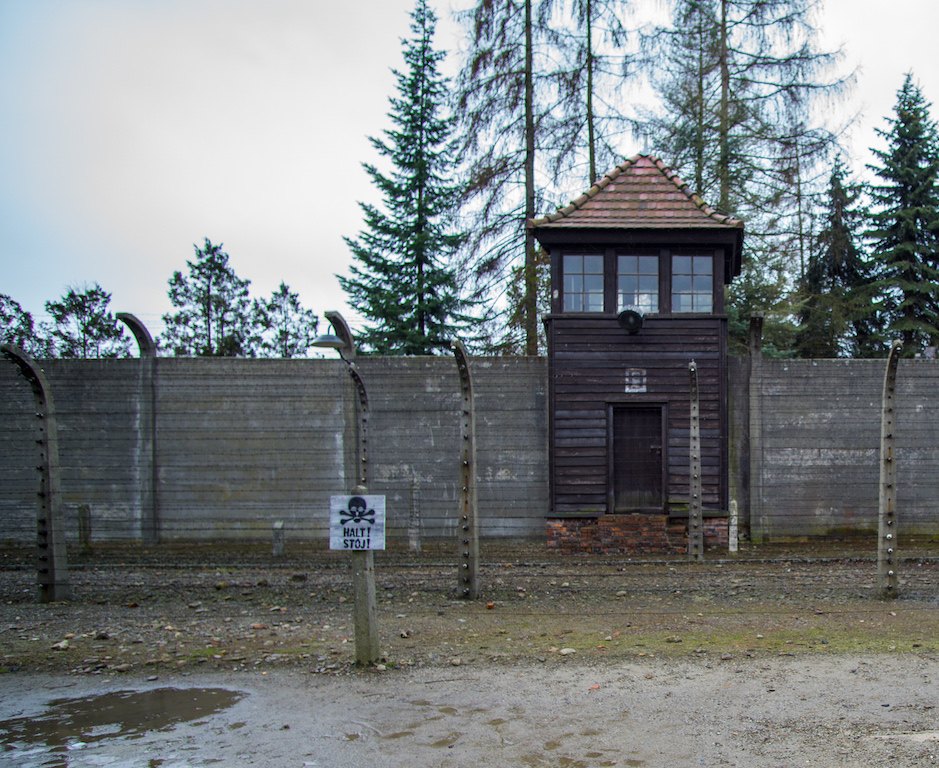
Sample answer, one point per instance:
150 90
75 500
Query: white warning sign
356 522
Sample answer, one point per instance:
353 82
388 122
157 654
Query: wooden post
695 517
469 525
366 625
84 527
887 583
52 563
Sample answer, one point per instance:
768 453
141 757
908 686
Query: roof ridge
609 177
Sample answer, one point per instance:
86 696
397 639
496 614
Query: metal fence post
469 523
52 563
695 517
887 584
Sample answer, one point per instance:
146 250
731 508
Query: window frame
693 276
585 306
639 256
610 292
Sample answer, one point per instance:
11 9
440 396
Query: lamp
340 339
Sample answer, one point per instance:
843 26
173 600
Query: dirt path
815 711
758 662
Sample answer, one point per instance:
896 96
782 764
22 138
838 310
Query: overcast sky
131 129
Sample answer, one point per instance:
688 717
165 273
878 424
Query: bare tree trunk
591 135
724 129
531 278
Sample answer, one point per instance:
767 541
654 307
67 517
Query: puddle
73 724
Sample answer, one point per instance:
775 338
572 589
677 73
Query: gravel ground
769 659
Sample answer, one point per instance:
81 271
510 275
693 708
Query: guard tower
638 269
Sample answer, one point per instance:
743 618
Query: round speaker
630 320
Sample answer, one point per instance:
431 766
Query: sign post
357 526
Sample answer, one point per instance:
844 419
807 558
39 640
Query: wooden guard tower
638 269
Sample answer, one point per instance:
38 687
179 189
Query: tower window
637 283
583 283
692 284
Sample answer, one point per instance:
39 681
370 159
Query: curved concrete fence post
52 562
469 517
887 560
343 331
695 510
144 340
146 458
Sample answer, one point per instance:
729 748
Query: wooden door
637 458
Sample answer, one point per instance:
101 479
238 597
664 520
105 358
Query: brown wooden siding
588 359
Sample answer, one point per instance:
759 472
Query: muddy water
67 726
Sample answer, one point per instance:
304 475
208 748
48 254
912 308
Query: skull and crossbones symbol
358 512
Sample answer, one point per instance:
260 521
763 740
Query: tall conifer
402 280
906 220
837 317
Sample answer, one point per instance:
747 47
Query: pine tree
402 280
837 318
214 315
906 221
82 326
288 329
16 325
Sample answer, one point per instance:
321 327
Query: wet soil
774 657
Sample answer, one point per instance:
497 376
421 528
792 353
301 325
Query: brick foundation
635 534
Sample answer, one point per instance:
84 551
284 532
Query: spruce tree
905 234
837 317
402 280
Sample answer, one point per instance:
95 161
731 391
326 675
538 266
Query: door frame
637 403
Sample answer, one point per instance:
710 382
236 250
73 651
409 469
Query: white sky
131 129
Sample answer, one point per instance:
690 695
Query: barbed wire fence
234 476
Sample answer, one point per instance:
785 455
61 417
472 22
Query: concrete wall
814 443
223 448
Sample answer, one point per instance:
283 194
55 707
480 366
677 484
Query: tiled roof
641 193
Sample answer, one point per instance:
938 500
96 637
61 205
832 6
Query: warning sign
357 522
